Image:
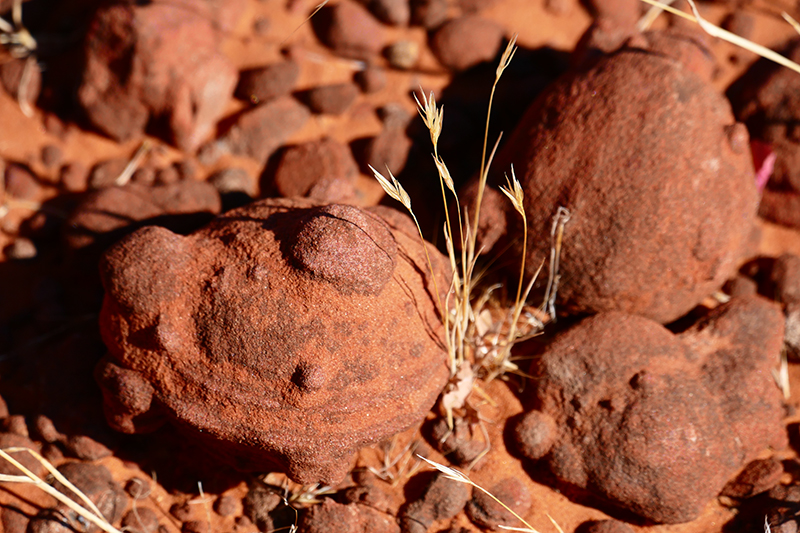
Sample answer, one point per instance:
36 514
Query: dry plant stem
651 15
508 54
725 35
455 475
560 219
127 173
788 18
29 477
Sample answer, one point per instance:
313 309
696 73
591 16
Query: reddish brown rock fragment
160 61
466 41
326 311
653 422
662 208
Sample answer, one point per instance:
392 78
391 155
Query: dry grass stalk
716 31
455 475
90 512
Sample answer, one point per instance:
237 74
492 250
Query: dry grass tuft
89 512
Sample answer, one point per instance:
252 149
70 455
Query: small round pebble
181 511
232 180
370 80
403 54
21 249
140 520
227 505
51 155
137 488
195 526
332 99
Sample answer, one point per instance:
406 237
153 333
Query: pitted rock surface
655 171
283 334
653 422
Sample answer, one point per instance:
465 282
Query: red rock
160 61
261 130
605 526
265 83
757 477
780 207
140 520
485 512
466 41
370 80
352 518
15 424
369 494
181 511
22 184
349 29
22 79
662 202
138 489
107 213
392 12
266 509
227 505
96 483
13 520
332 99
51 155
473 6
389 148
232 180
441 499
301 167
428 13
403 54
195 526
86 448
167 176
703 402
46 430
785 277
352 316
12 440
462 445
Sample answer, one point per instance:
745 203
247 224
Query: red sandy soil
28 383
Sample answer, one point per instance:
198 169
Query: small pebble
181 511
332 99
195 526
370 80
140 520
52 156
485 512
261 26
167 176
86 448
227 505
45 429
15 424
21 249
137 488
403 55
232 180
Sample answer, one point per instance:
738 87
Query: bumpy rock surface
283 334
349 29
159 61
108 213
313 164
653 422
655 171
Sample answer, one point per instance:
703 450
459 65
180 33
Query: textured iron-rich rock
653 422
283 334
655 171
